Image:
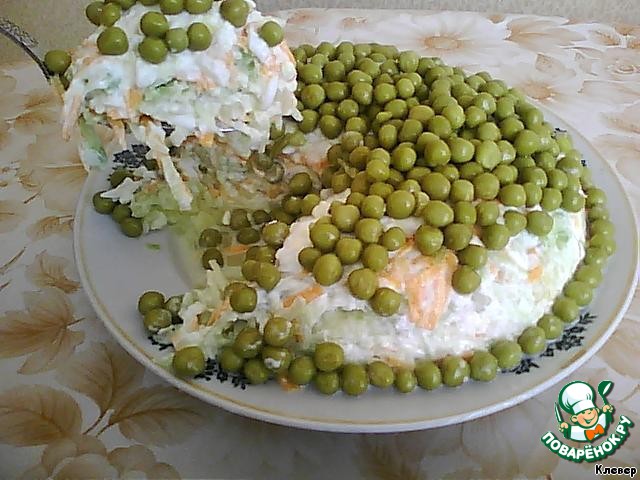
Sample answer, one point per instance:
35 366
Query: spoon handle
25 41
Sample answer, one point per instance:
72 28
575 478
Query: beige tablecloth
73 404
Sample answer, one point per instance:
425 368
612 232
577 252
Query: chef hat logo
577 397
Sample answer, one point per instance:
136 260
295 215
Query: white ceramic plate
115 270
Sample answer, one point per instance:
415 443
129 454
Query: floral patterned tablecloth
73 404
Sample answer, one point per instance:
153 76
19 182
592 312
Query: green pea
348 250
154 24
486 186
274 234
495 237
120 213
248 342
149 301
277 331
110 14
474 256
153 50
551 325
515 222
527 142
385 301
539 223
113 41
171 7
440 126
461 150
566 309
504 108
595 197
422 113
307 257
428 375
327 382
328 356
455 370
436 153
597 212
355 380
405 380
428 239
551 199
198 6
397 108
602 227
330 125
393 239
302 370
324 236
465 280
94 12
276 359
572 201
579 291
235 12
589 274
101 204
507 353
437 213
461 191
188 362
483 366
309 121
596 257
199 36
177 40
327 269
436 186
256 371
375 258
400 204
513 195
229 360
157 319
57 61
131 227
271 32
267 276
533 340
457 236
368 230
464 212
487 213
488 154
239 219
244 299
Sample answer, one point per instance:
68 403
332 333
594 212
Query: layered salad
351 215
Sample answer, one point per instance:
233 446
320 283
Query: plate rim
313 423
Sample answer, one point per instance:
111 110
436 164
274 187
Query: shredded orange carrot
308 294
134 97
535 273
237 248
217 313
207 139
286 384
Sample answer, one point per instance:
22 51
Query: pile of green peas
260 356
420 138
121 214
160 39
452 171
